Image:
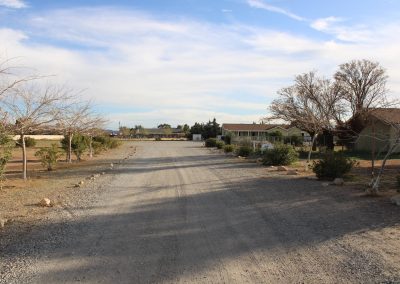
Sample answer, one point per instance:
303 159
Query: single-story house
259 132
381 131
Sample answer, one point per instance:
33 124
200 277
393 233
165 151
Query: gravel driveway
179 213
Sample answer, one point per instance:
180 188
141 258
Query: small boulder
338 181
395 200
292 173
3 222
81 183
111 166
325 184
282 169
45 202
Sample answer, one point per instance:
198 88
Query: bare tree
94 126
32 107
362 84
78 117
9 79
311 104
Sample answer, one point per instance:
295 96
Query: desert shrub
114 143
229 148
97 147
158 139
6 144
211 142
107 142
332 165
280 155
48 156
220 144
29 142
228 139
244 151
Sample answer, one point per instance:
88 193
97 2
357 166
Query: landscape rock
81 183
3 222
111 165
103 173
282 169
325 184
395 200
338 181
292 173
45 202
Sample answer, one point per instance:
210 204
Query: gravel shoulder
174 212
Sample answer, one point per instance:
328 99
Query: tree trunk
375 183
311 149
70 148
24 159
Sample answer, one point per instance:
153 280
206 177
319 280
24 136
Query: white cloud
262 5
15 4
335 26
180 71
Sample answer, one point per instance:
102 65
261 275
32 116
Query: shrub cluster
220 144
211 142
29 142
107 142
244 150
229 148
280 155
332 165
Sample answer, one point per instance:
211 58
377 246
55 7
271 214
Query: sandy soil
176 212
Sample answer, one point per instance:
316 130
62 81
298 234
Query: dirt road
178 213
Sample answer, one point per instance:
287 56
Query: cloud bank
147 70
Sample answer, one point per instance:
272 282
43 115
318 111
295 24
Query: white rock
111 165
3 222
282 169
292 173
325 184
45 202
81 183
338 181
103 173
395 200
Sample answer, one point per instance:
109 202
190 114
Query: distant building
260 132
160 133
380 132
196 137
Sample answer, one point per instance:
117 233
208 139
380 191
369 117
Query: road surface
176 212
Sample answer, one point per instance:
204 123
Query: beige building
260 132
381 132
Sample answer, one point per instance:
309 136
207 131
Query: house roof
253 127
387 115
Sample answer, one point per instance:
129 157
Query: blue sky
181 61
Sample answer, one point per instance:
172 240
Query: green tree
79 144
